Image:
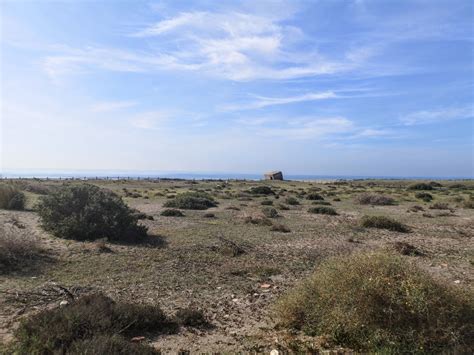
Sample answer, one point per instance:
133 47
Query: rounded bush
323 210
379 302
270 212
11 198
170 212
192 201
383 222
261 190
314 196
292 201
420 186
86 212
425 196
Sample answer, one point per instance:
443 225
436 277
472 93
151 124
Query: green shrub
383 222
323 210
261 190
379 302
314 196
425 196
192 201
171 212
266 203
55 330
420 186
270 212
86 212
374 199
11 198
321 203
292 201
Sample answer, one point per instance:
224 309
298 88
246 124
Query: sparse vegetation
383 222
86 212
439 206
313 196
379 302
292 201
266 203
261 190
192 201
280 228
374 199
323 210
191 317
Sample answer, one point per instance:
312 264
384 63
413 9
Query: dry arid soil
232 270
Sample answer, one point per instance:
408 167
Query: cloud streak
435 116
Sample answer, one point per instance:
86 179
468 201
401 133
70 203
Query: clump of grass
261 190
383 222
379 302
270 212
374 199
420 186
292 201
469 203
192 201
56 330
267 203
425 196
87 212
405 248
313 196
11 198
171 212
209 215
280 228
283 207
415 208
191 317
323 210
17 249
258 220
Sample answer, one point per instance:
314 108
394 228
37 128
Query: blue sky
308 87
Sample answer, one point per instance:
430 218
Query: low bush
292 201
192 201
261 190
280 228
415 208
270 212
405 248
266 203
191 317
258 220
56 330
321 203
383 222
420 186
86 212
379 302
209 215
439 206
17 249
283 207
171 212
11 198
425 196
469 203
313 196
323 210
374 199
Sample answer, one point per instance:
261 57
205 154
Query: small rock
137 339
274 352
63 303
265 286
457 281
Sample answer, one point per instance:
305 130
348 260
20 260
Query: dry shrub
379 302
439 206
280 228
18 249
192 201
171 212
425 196
420 186
374 199
292 201
313 196
383 222
191 317
323 210
56 330
405 248
258 219
415 208
11 198
270 212
114 344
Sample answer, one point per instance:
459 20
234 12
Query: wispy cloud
439 115
150 120
108 106
262 101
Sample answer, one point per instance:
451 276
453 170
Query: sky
349 87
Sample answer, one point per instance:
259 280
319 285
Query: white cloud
433 116
229 45
270 101
150 120
108 106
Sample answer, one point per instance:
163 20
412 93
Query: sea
140 175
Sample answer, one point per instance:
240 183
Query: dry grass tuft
380 302
383 222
